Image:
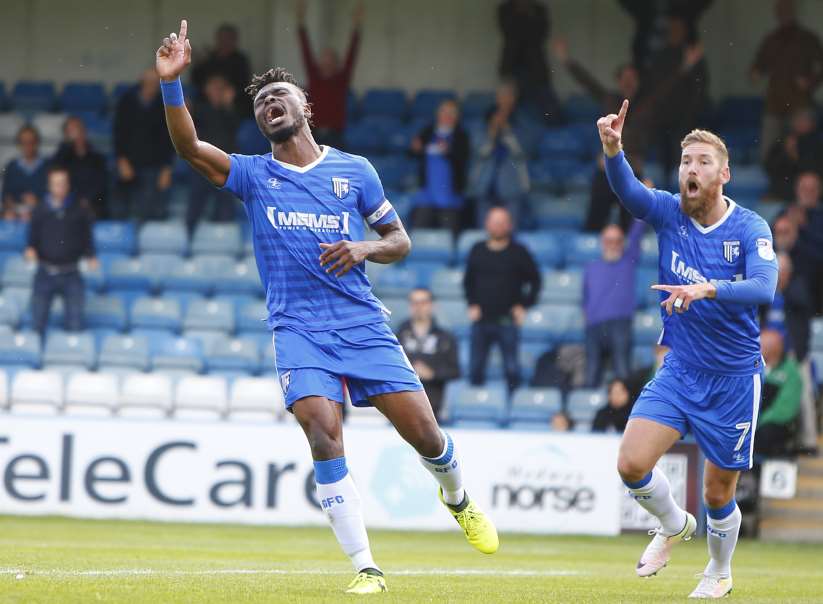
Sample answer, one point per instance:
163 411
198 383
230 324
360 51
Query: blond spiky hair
708 138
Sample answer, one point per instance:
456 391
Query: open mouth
692 187
274 113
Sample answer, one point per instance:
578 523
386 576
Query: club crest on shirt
731 251
340 186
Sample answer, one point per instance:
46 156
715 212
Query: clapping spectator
24 180
782 392
217 122
59 236
501 281
800 150
609 302
614 416
328 80
226 60
791 58
143 150
807 213
500 176
431 350
86 166
443 152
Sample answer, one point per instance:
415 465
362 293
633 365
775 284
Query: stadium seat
250 141
256 399
83 97
484 403
94 394
447 284
105 312
36 392
143 273
476 105
201 397
562 287
243 278
19 349
645 296
395 171
399 309
10 312
561 143
431 245
543 246
548 324
163 313
646 327
32 96
146 395
551 212
198 275
536 405
642 356
425 103
18 272
252 317
582 249
740 111
50 127
582 108
163 238
453 315
466 242
217 238
13 235
396 282
124 351
584 403
218 315
114 236
386 102
10 124
239 354
649 254
363 139
69 349
817 334
176 354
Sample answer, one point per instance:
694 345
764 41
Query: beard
698 206
284 133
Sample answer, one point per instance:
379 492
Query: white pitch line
148 572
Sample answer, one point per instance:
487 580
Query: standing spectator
807 213
24 180
614 416
526 26
800 150
609 302
59 236
86 166
501 281
790 312
791 58
782 391
226 60
143 150
443 152
217 122
432 350
328 81
500 176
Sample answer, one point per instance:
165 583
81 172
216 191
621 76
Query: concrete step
779 529
806 509
810 466
810 486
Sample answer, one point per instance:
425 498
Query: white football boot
712 586
658 552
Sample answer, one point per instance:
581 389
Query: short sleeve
372 203
758 244
239 175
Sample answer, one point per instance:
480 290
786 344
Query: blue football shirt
292 210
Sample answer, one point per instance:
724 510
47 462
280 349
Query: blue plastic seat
453 315
162 313
561 143
545 249
431 245
548 324
217 315
447 284
816 342
551 211
143 273
200 274
562 287
477 104
65 348
252 317
582 108
217 238
649 254
740 110
642 356
32 96
114 236
176 353
83 96
21 349
105 312
536 405
398 306
239 354
646 327
250 141
395 171
645 296
396 281
13 235
125 351
466 241
362 139
10 311
158 237
425 102
582 249
384 101
476 403
243 278
584 403
18 272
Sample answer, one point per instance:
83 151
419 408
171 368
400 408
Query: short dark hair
55 168
278 74
27 128
421 288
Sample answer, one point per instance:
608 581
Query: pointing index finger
184 29
664 288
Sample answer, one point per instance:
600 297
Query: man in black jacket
59 236
86 166
432 351
443 152
501 282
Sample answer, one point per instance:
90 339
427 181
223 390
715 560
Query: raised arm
170 61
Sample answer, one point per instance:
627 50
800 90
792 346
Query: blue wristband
172 93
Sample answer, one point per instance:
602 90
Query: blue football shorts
368 359
719 410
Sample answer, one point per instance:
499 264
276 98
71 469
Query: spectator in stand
87 167
431 350
791 58
226 60
144 152
217 122
561 422
501 281
328 80
59 236
790 312
24 179
800 150
614 416
500 176
526 26
609 302
442 149
807 213
651 25
782 391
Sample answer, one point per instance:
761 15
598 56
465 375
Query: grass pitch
65 560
